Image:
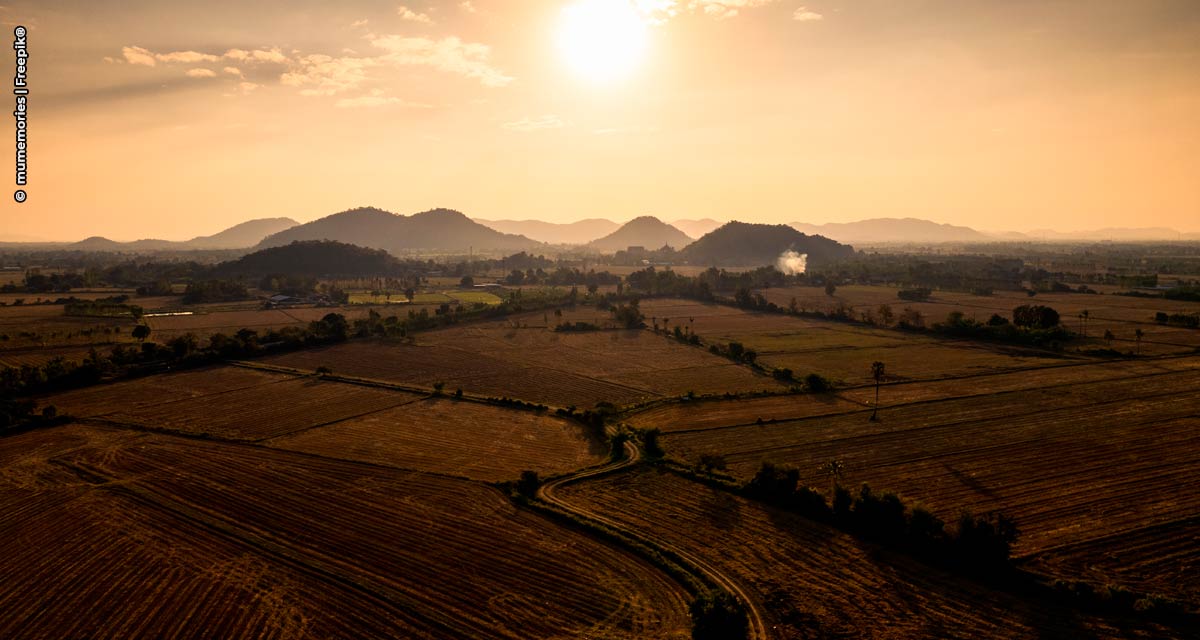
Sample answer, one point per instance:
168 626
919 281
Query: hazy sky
155 118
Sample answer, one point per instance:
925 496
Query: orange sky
155 118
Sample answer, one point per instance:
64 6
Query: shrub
817 383
718 615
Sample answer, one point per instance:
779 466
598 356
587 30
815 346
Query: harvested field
462 438
843 351
261 412
540 365
161 389
208 540
1069 463
206 323
814 581
1120 314
708 414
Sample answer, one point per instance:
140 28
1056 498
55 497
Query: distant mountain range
447 230
647 232
697 228
429 231
888 230
239 236
580 232
744 244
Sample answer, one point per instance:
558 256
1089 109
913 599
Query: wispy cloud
322 75
803 14
723 9
660 11
451 55
200 73
377 99
526 125
467 6
412 16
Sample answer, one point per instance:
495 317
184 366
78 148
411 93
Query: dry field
119 535
205 323
537 364
450 437
814 581
843 351
1104 458
1120 314
27 329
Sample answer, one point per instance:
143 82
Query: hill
892 230
646 231
434 230
239 236
579 232
743 244
314 258
697 228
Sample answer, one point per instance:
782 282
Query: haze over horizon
172 120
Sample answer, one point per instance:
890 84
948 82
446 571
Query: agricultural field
451 437
814 581
204 323
204 539
842 351
523 358
463 296
1122 315
1108 456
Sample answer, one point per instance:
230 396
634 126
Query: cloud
233 71
412 16
187 57
468 7
138 55
804 15
247 87
274 56
146 57
322 75
723 9
201 73
526 125
377 99
660 11
359 23
448 54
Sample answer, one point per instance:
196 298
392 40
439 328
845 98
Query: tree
141 332
830 288
834 469
1083 318
877 372
886 315
1137 336
1035 316
1108 337
710 462
529 483
467 281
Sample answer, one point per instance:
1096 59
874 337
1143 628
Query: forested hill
744 244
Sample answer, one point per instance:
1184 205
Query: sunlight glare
602 40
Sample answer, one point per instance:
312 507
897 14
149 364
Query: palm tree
1137 335
1083 317
1108 337
877 371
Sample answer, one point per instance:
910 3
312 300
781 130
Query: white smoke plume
792 263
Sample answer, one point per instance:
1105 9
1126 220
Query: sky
157 118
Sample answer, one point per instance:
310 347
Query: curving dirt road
757 628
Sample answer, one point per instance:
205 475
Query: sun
602 40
